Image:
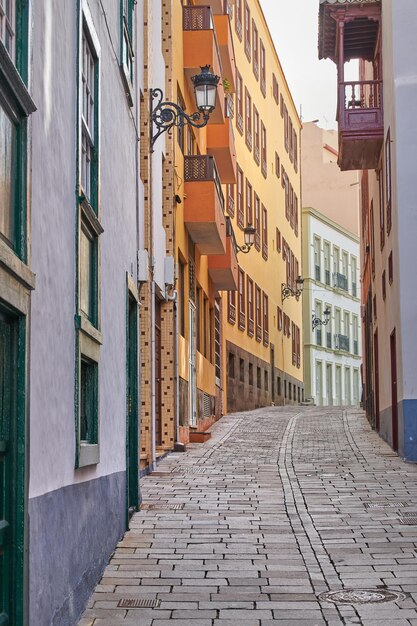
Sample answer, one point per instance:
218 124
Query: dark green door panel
132 428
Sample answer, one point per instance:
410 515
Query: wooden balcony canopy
361 28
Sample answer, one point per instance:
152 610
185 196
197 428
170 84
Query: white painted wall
52 430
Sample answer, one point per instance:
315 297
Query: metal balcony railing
199 168
340 281
341 342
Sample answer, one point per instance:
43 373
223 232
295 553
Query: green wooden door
6 462
132 426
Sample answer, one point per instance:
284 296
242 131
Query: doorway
329 385
348 395
192 369
376 383
158 375
319 378
132 392
394 392
12 467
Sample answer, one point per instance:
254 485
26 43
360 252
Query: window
231 367
89 122
181 297
257 224
265 319
390 269
241 370
263 150
87 278
231 307
353 270
277 165
317 256
380 176
8 26
248 119
247 32
266 380
294 344
242 320
251 374
279 318
355 323
206 329
374 307
258 304
251 319
372 241
239 103
256 134
295 150
258 378
238 19
198 318
336 260
264 232
249 216
326 254
240 211
127 46
255 49
88 427
345 263
278 236
384 286
191 143
231 200
263 67
181 129
8 170
275 88
388 198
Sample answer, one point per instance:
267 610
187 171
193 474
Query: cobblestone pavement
250 528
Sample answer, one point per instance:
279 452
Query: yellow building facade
223 338
262 332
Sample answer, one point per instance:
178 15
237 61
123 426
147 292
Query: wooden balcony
221 145
200 49
223 268
361 124
227 51
204 205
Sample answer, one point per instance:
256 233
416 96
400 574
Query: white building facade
332 350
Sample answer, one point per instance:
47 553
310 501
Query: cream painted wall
325 187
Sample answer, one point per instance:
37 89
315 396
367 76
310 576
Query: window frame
248 119
242 301
127 47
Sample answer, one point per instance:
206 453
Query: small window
263 67
264 232
264 165
249 212
238 19
8 138
255 49
259 378
277 165
239 199
88 402
384 286
239 103
275 88
8 26
127 46
241 370
266 380
390 269
279 316
247 32
251 374
248 119
231 368
278 235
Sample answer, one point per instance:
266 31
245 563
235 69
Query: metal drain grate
384 505
409 519
361 596
161 506
138 603
192 470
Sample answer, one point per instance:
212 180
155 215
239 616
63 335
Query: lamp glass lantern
300 283
205 89
249 234
326 315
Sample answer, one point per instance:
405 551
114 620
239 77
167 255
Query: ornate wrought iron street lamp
249 233
316 321
167 115
287 291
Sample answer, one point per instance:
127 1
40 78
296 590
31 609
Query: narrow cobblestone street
281 505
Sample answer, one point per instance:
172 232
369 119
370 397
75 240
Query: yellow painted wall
270 274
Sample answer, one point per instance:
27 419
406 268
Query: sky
294 29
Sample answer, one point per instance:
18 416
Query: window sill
88 454
15 266
87 328
13 79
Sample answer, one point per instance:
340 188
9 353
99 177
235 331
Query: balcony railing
317 272
197 18
364 94
340 281
341 342
203 168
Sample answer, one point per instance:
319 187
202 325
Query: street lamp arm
167 115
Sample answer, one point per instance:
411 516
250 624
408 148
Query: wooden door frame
394 390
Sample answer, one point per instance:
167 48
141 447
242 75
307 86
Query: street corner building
69 223
377 136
